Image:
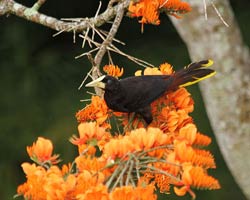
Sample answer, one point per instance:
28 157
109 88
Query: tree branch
12 7
108 41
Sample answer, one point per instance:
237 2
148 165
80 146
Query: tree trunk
227 95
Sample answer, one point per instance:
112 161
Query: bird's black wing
140 91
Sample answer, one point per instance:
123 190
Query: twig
91 93
113 48
84 100
205 8
84 38
110 36
85 78
115 40
96 14
137 167
89 40
129 174
110 57
218 13
114 174
34 9
216 10
74 36
86 53
132 58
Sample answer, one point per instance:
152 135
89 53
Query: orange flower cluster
86 182
113 70
41 152
137 140
131 164
96 111
149 10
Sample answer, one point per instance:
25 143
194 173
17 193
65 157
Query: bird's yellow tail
192 74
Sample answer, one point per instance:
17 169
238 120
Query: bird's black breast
134 93
114 100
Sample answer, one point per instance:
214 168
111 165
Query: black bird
136 93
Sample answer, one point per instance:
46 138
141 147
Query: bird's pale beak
97 83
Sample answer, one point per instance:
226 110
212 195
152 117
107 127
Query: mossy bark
227 95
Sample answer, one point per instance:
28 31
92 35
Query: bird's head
104 82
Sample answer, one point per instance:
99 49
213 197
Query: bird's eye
109 81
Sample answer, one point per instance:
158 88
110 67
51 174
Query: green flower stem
129 174
120 177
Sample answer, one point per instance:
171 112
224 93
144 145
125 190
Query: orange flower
174 7
149 71
163 182
185 153
59 187
66 169
123 193
148 138
171 120
91 164
195 177
89 131
86 149
149 10
113 70
145 192
166 69
201 180
41 151
173 165
96 111
203 158
33 187
87 180
187 133
136 140
98 192
182 99
202 140
119 147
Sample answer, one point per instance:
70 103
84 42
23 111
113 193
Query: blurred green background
39 78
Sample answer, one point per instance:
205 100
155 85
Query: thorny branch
107 42
12 7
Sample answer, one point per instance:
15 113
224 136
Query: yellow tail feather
198 79
210 62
